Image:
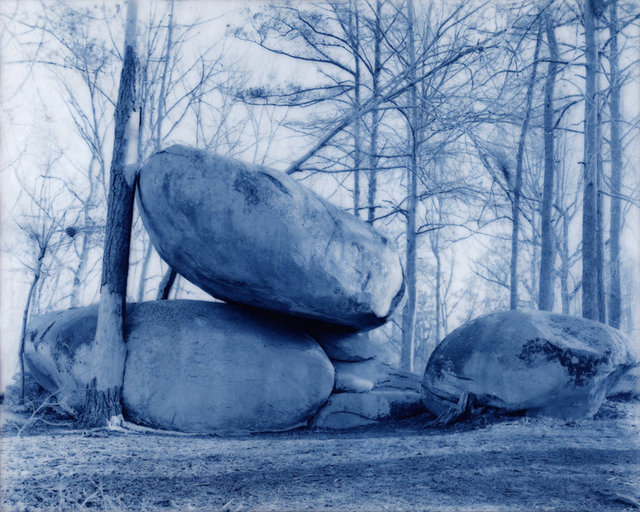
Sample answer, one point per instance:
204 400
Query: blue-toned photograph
319 255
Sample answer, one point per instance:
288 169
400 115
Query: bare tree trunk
564 266
165 285
547 255
102 404
143 270
589 206
602 308
515 205
436 252
25 319
78 275
535 260
375 117
163 81
409 314
615 301
356 110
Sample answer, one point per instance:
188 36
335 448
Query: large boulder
538 362
191 366
249 234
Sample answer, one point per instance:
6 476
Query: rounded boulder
191 366
538 362
255 236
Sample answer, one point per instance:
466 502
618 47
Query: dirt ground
519 464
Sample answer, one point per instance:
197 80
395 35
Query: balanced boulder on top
538 362
252 235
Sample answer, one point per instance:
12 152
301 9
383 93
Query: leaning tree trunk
547 255
589 204
517 187
166 284
102 404
143 271
615 302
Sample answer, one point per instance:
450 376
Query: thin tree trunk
165 285
535 247
78 275
143 271
547 255
163 81
564 266
102 403
356 111
409 314
436 253
589 206
375 118
139 157
615 300
25 319
517 187
602 308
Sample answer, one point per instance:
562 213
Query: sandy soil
520 464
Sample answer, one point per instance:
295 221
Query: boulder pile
287 262
301 338
192 366
368 387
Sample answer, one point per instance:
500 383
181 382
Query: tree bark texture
615 301
102 405
602 308
589 206
547 254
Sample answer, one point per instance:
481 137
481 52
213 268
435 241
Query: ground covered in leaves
516 464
